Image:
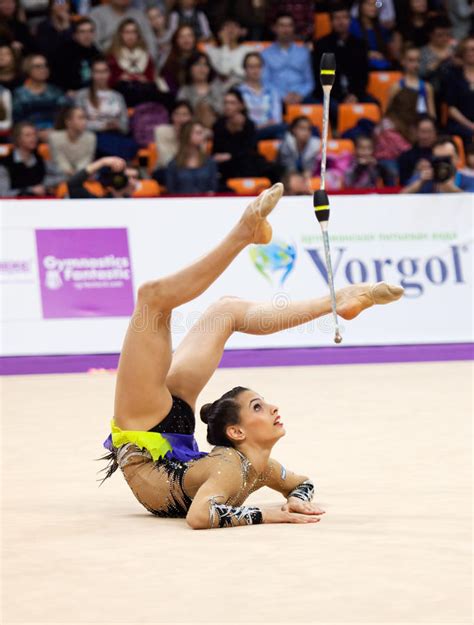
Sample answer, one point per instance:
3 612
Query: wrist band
221 515
304 491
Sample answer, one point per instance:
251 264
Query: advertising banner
69 270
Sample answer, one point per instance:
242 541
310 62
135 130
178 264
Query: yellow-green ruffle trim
154 442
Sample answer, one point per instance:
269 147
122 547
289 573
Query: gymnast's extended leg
200 352
142 398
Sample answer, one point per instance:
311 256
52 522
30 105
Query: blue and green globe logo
274 261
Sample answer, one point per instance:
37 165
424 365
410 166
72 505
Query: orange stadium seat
44 151
313 111
460 146
248 186
92 186
322 25
150 153
269 148
336 146
380 84
147 188
349 115
315 183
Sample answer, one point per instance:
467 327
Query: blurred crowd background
142 98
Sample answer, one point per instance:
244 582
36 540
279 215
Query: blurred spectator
72 146
296 184
106 114
5 111
72 66
234 145
351 59
253 15
108 17
34 12
132 71
54 30
9 75
115 178
183 46
227 58
386 12
425 138
458 93
287 65
12 30
365 172
439 48
441 175
411 80
23 172
299 149
167 135
37 101
202 90
186 14
162 34
192 171
468 169
395 133
302 12
367 27
414 23
263 102
460 13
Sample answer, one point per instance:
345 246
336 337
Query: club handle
321 205
327 69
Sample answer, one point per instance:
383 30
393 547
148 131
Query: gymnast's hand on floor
302 507
278 515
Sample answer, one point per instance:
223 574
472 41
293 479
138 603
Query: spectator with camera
113 175
414 158
441 174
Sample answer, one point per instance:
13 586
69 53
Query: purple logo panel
85 273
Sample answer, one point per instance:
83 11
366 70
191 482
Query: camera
118 180
443 168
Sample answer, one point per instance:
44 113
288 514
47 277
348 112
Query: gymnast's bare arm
212 506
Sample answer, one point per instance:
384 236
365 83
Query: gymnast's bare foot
352 300
254 218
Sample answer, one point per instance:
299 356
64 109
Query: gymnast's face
260 422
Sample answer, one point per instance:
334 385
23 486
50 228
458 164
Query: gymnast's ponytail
220 414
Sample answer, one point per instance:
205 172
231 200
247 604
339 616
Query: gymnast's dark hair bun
220 414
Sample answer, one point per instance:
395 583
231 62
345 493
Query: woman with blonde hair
132 69
192 171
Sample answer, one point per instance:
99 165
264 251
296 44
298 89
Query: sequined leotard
164 467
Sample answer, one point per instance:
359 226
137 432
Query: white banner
69 269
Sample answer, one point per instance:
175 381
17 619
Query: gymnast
152 438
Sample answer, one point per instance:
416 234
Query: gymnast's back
164 467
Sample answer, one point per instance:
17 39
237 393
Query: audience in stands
71 68
366 172
302 12
441 175
167 135
460 13
183 46
458 93
10 77
296 184
112 174
395 133
55 29
468 169
288 65
191 171
23 172
106 114
299 149
202 89
386 12
263 102
411 80
109 16
351 60
5 111
72 146
414 23
439 48
13 29
416 157
367 27
37 100
161 32
227 58
186 14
